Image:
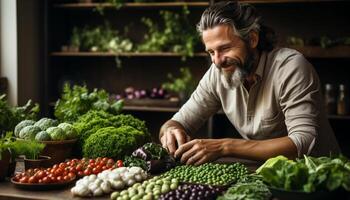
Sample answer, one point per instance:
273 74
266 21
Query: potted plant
75 40
182 85
31 150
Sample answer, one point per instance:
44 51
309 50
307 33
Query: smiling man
272 96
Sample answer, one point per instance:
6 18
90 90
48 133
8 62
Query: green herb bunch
175 34
10 116
182 85
101 38
78 100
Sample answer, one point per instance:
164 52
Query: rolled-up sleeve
299 96
202 104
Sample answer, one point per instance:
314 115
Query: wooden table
9 192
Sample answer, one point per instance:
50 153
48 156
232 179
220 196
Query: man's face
230 54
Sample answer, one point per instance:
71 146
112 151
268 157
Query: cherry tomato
91 161
110 161
120 163
40 181
59 178
40 174
79 167
95 170
55 166
87 172
46 180
71 175
73 170
62 165
53 179
80 173
24 179
58 172
30 171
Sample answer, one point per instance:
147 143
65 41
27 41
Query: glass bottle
342 104
330 101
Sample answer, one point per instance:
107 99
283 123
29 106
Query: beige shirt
286 100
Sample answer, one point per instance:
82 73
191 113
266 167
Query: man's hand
200 151
173 135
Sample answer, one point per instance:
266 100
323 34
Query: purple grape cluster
193 192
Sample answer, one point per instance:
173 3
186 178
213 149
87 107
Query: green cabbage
46 123
42 136
69 130
56 133
21 125
29 132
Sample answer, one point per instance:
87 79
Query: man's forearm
259 149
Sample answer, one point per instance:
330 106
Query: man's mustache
229 62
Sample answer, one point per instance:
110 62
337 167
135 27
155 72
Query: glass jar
330 100
342 104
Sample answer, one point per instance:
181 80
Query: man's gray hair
243 19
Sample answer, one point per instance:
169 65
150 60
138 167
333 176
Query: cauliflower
29 132
46 123
69 130
56 133
21 125
42 136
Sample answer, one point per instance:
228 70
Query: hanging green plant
175 34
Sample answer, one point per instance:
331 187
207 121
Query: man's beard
232 80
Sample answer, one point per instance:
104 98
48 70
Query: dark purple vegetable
155 166
141 153
193 191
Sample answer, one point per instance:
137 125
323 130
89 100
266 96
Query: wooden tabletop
8 191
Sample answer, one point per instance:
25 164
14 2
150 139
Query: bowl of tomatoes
43 179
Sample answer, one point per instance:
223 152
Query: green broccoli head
29 132
112 142
46 123
56 133
21 125
69 130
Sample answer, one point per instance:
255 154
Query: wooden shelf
340 117
288 1
109 54
133 5
307 51
180 4
150 109
319 52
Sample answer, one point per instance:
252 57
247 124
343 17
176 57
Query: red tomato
59 178
66 178
95 170
91 165
32 179
110 161
87 172
120 163
73 170
80 173
104 168
79 167
30 171
40 181
46 179
62 165
91 161
71 175
58 172
24 179
55 166
40 174
53 179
